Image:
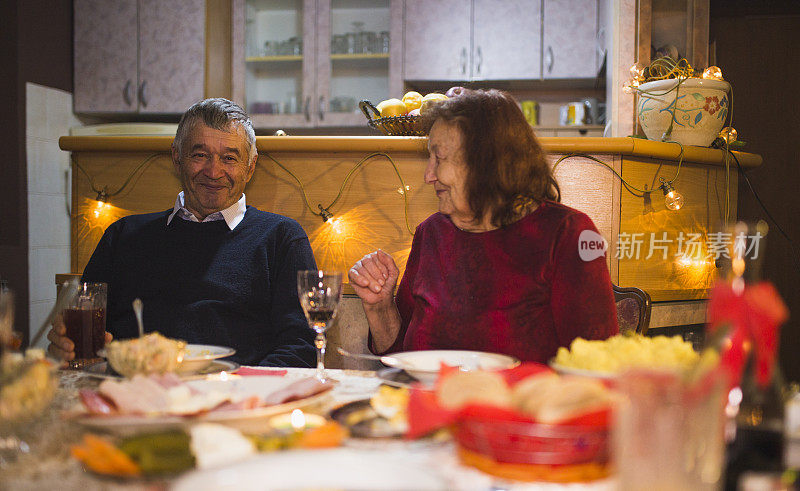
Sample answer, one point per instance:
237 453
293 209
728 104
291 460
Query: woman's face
447 171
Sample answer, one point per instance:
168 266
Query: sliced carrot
331 434
103 457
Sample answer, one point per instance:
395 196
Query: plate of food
160 402
103 370
424 365
384 415
608 358
199 357
154 353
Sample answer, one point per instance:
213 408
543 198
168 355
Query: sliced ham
95 403
126 400
301 389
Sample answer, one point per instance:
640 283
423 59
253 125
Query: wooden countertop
333 144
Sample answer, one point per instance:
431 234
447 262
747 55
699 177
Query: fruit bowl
393 125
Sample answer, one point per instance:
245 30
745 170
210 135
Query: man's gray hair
219 114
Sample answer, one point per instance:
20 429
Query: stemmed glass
319 293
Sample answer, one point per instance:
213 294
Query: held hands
373 278
61 347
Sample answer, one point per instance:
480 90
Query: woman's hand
61 347
373 278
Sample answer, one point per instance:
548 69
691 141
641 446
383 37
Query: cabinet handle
548 57
480 61
127 92
307 108
143 93
321 108
463 61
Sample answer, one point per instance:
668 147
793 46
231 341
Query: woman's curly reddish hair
506 165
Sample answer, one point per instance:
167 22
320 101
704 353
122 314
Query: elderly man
211 270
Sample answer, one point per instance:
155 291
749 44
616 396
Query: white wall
49 116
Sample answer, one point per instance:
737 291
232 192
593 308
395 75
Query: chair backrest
633 309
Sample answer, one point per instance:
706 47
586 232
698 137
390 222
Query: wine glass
319 293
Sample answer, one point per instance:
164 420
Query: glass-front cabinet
307 63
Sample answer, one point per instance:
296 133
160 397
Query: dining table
47 465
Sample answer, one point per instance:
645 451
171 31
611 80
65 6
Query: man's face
213 167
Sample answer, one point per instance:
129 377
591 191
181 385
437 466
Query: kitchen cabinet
500 40
570 39
472 40
437 43
506 40
138 56
307 63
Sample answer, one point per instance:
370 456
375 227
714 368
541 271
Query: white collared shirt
232 215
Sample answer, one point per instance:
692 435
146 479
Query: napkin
245 371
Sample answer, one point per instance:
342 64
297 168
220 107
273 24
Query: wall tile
59 114
45 263
35 107
48 221
38 313
48 166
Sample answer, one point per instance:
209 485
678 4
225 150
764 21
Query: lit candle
296 421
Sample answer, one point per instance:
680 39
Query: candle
296 421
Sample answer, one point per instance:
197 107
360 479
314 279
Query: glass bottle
756 450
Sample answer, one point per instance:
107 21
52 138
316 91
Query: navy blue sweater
207 284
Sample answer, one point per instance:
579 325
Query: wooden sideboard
370 213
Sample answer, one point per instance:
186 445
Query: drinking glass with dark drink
85 320
319 293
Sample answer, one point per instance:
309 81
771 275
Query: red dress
521 290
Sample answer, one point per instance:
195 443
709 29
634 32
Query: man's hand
373 278
61 347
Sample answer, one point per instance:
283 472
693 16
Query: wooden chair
633 309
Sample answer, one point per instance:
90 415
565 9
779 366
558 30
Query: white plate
249 420
341 468
200 356
424 365
98 370
582 372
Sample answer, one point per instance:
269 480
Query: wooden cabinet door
569 44
171 55
506 42
105 59
437 40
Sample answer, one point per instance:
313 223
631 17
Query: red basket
533 443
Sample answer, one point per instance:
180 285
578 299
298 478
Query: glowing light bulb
729 134
712 73
336 224
627 88
673 200
637 70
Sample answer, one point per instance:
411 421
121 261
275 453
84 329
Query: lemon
392 107
412 100
431 99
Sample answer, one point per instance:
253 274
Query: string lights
102 203
324 211
673 199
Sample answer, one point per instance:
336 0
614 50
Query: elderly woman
497 268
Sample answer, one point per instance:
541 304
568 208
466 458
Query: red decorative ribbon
754 316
